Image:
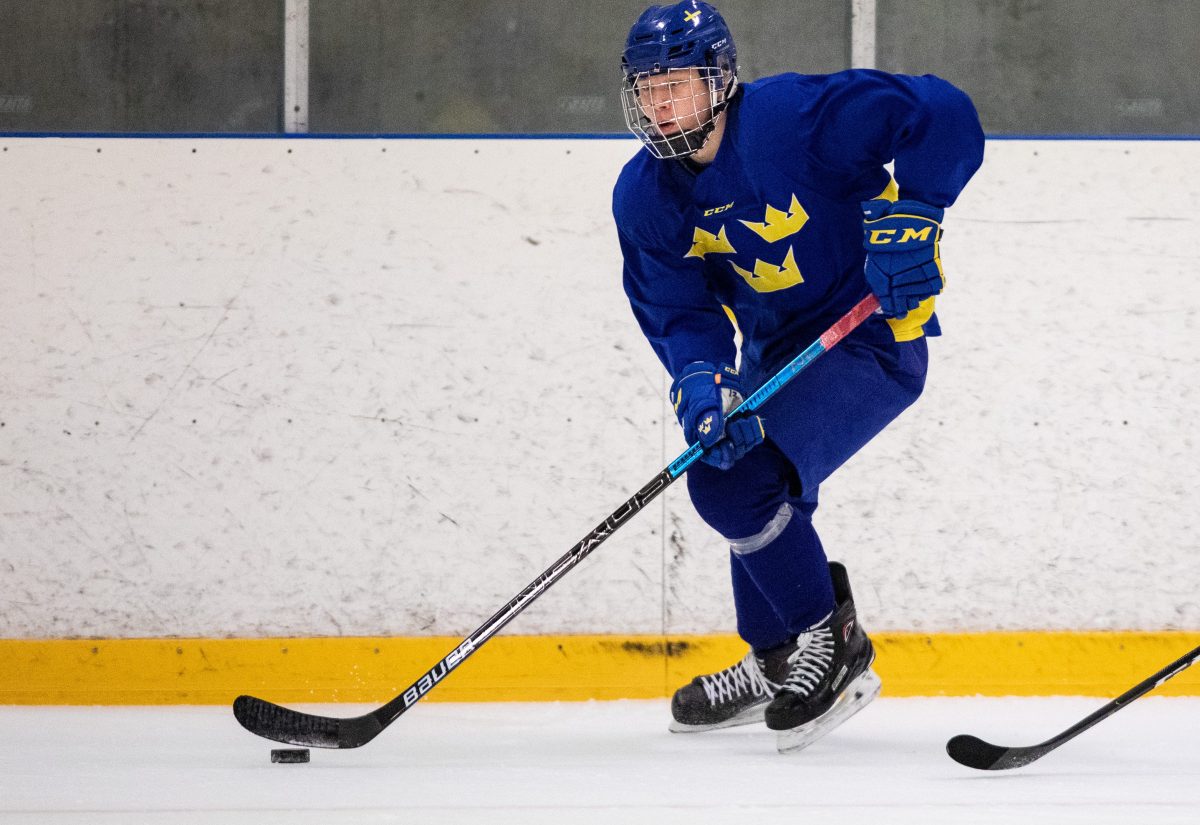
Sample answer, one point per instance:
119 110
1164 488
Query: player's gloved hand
903 265
703 394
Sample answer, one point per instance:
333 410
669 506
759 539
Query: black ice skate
733 696
830 678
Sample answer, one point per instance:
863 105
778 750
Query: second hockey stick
975 753
294 727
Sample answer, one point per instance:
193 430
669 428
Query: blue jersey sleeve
671 299
926 125
680 317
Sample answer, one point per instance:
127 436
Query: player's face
675 101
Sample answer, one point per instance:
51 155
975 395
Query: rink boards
333 396
568 668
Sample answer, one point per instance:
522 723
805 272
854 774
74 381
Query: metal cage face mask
673 112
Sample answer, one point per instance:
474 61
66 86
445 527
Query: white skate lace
810 662
734 681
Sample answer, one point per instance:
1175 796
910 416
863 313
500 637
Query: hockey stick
975 753
282 724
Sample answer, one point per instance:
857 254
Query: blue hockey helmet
690 35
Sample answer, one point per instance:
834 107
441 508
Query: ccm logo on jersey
717 209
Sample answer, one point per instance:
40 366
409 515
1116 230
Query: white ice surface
610 763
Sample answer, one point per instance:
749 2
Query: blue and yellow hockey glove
904 266
703 394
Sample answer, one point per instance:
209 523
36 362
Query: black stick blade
984 756
293 727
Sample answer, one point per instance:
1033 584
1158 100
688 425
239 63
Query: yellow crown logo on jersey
705 242
768 277
778 224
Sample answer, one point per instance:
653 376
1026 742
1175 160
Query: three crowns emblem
775 226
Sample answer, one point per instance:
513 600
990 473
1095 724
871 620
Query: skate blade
747 717
857 696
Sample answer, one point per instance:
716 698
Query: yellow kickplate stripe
565 668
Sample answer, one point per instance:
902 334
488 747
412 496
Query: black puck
286 756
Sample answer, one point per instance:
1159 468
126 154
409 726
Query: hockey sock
791 574
757 622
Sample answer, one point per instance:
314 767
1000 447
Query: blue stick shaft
828 340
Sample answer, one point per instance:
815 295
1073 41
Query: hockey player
767 204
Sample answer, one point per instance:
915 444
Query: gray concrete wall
141 65
522 65
1055 66
1032 66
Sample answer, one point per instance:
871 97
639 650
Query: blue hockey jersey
772 228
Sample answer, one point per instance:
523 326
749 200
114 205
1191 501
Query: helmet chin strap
717 110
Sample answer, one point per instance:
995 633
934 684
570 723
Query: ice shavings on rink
603 762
